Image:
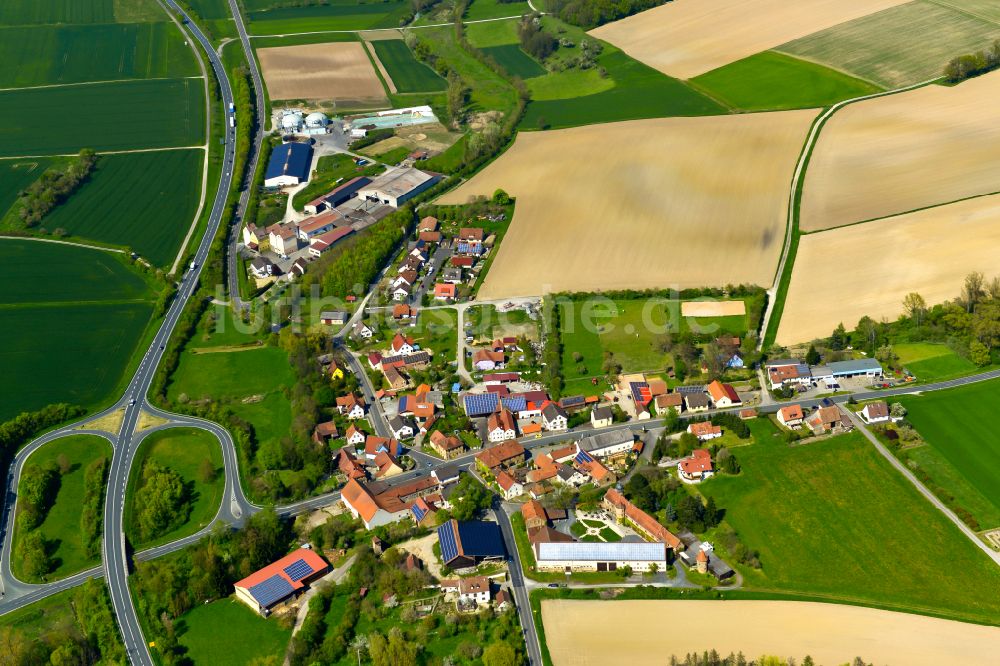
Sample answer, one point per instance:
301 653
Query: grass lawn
228 632
182 450
407 73
234 374
339 15
163 191
932 362
514 60
488 9
770 80
156 113
491 33
959 425
329 170
825 517
62 523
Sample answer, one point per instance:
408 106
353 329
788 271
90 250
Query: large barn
397 186
277 583
466 544
289 165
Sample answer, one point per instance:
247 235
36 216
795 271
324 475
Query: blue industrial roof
620 551
854 367
271 590
472 538
290 159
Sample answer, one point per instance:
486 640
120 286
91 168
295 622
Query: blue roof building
467 543
289 165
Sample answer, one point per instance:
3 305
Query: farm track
108 152
93 83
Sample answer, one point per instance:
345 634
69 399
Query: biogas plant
295 121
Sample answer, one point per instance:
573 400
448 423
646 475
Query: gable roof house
505 454
351 406
696 402
487 359
696 467
402 345
501 426
824 419
324 432
791 416
669 401
348 463
375 445
875 412
612 444
355 435
646 525
787 371
509 485
280 581
447 446
444 291
554 417
602 416
378 505
724 395
402 428
704 430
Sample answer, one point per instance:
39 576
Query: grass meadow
932 362
407 73
211 9
490 9
231 374
515 61
958 425
340 15
163 190
117 116
28 12
183 450
15 175
774 81
62 523
825 517
39 55
228 632
883 47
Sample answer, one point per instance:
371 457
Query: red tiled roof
311 558
642 519
718 391
700 460
501 453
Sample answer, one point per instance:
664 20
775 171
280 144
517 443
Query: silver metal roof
602 552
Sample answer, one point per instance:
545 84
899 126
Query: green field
959 425
491 33
16 175
340 15
117 116
825 517
774 81
407 73
211 9
227 632
163 190
26 12
901 45
182 450
488 9
514 60
64 307
61 526
932 362
232 374
39 55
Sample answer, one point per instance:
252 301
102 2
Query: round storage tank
317 119
291 120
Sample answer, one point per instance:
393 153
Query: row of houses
829 418
377 503
787 372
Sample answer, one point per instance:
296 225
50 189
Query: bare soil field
579 633
902 152
843 274
340 71
685 38
669 202
713 308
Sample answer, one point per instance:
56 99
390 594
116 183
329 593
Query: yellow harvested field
340 71
685 38
641 633
668 202
902 152
713 308
843 274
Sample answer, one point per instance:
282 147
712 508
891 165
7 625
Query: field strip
61 242
798 179
370 50
107 152
91 83
70 304
412 27
967 12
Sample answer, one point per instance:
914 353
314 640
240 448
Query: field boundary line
409 27
61 242
208 136
94 83
779 287
106 152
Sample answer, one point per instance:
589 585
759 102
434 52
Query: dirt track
685 38
641 633
336 70
652 203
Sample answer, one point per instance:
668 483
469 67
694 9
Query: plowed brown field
340 71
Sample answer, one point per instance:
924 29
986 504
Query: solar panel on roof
583 457
480 404
479 538
515 403
270 590
690 389
449 547
572 400
298 570
418 513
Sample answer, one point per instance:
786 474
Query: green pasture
407 73
514 60
271 417
491 92
491 9
157 113
27 12
774 81
163 191
231 374
43 272
902 45
15 175
228 632
954 483
212 9
491 33
220 328
825 518
932 362
959 425
336 16
61 526
48 54
183 450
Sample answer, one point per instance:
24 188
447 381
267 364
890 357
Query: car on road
131 402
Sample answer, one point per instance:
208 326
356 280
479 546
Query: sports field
959 425
902 45
590 633
929 252
337 70
66 306
339 15
406 72
902 152
515 61
117 116
774 81
183 450
61 526
854 530
730 173
227 632
163 190
41 55
686 38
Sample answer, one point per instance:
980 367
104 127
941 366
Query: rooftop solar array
515 403
572 401
620 551
418 513
583 457
690 389
298 570
640 392
271 590
449 546
479 538
481 404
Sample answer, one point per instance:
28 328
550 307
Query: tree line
713 658
592 13
535 41
973 64
54 186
